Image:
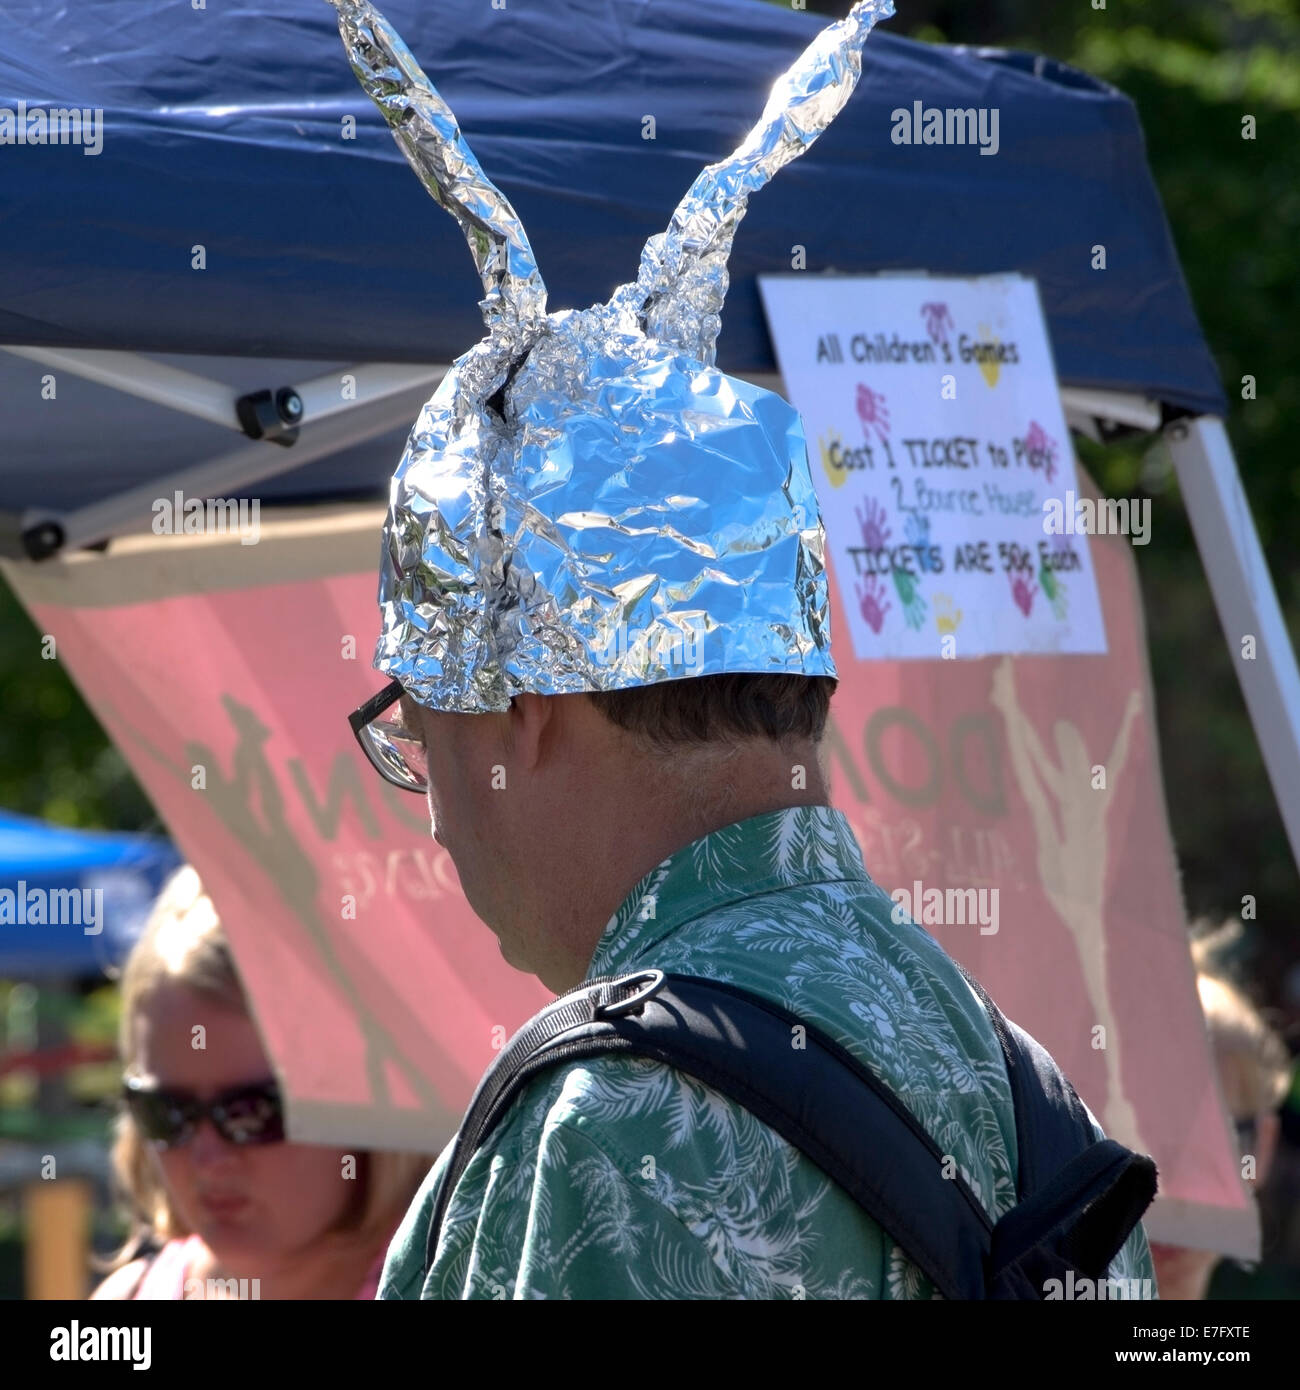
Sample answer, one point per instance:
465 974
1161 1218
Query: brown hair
722 708
183 943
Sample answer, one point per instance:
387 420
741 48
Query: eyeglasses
250 1114
394 749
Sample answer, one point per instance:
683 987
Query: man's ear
533 727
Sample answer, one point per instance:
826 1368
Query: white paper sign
936 435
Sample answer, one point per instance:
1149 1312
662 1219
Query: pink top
164 1277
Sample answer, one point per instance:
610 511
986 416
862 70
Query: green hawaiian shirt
621 1177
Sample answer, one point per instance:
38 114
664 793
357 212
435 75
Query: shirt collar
777 850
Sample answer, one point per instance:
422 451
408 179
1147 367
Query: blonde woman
221 1202
1255 1073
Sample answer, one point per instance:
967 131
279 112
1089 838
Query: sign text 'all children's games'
939 449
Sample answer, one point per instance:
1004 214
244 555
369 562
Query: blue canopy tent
247 255
126 870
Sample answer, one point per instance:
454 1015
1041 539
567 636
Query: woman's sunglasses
251 1114
395 749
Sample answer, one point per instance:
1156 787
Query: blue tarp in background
222 127
128 869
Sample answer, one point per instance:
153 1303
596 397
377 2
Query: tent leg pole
56 1219
1246 600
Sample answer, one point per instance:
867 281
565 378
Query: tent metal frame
380 397
214 401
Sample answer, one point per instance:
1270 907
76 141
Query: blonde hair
183 943
1253 1061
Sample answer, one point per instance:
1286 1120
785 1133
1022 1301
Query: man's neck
630 840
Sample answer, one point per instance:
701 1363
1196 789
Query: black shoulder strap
796 1080
1079 1193
1083 1194
1051 1123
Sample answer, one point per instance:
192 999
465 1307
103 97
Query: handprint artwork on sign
917 530
873 603
1055 592
1050 582
1023 591
871 519
946 619
872 411
940 428
829 445
938 321
909 596
990 364
1040 448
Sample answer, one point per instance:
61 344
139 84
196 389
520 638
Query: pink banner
225 674
378 992
1037 778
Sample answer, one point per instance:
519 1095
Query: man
604 611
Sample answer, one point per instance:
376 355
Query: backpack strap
1051 1122
1080 1195
817 1096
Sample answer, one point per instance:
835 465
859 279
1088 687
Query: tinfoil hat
586 502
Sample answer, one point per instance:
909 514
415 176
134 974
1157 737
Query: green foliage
56 762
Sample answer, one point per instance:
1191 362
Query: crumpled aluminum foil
586 502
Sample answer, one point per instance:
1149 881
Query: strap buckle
636 1000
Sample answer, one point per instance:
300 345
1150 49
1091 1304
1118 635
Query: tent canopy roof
224 127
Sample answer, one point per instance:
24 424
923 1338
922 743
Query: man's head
586 496
553 810
603 571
